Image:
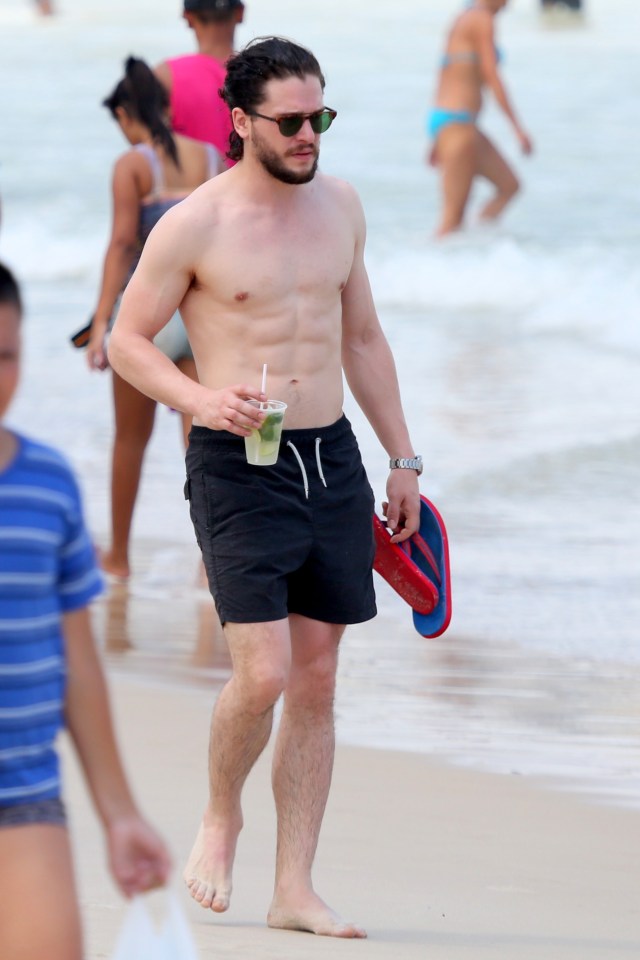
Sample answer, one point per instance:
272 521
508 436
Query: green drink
263 445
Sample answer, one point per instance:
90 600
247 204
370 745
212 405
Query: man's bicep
359 318
357 300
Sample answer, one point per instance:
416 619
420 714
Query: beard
276 165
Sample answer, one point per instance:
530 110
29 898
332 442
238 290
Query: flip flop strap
426 552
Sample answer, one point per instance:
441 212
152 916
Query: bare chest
267 262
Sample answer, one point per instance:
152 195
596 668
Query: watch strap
406 463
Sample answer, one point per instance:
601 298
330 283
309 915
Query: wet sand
433 859
470 699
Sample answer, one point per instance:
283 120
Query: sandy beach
434 861
486 798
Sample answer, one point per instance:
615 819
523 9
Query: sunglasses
292 123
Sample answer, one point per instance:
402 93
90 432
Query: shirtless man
266 264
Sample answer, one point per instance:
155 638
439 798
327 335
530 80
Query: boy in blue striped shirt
50 677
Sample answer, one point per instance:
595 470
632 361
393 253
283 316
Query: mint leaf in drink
269 429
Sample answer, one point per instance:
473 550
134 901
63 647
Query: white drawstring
320 473
302 469
301 465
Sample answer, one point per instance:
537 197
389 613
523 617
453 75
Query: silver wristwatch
406 463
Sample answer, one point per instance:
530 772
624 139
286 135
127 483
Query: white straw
264 383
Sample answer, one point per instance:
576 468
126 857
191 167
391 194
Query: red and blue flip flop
418 569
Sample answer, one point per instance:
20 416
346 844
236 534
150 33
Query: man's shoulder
342 191
201 204
336 185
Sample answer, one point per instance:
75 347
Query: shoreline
425 855
567 722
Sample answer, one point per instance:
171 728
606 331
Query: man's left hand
403 509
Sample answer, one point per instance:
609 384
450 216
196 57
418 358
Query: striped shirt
47 568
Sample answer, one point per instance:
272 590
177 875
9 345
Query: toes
206 899
196 890
344 931
349 930
221 901
199 892
207 895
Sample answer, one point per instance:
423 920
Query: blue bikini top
467 56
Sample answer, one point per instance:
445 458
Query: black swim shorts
296 537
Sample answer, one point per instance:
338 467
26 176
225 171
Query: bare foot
312 914
210 864
114 566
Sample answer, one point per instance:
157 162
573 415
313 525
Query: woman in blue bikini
459 149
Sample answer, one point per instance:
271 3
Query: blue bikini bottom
439 118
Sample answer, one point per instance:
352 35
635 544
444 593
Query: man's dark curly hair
248 72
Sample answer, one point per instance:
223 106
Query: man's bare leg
240 729
302 768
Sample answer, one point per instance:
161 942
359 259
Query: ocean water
517 346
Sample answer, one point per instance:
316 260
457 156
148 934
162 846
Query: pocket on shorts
194 493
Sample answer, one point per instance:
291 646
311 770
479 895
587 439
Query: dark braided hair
263 59
144 98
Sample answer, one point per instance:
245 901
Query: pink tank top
196 109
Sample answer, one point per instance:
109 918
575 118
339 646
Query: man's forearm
146 368
371 374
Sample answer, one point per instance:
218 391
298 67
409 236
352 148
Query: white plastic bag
140 939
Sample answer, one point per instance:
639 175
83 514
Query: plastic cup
263 445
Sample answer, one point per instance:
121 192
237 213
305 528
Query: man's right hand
227 409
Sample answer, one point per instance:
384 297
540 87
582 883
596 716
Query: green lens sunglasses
292 123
